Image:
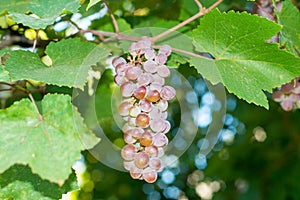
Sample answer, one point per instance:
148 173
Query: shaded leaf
289 17
49 147
92 3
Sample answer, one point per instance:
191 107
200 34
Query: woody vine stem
119 36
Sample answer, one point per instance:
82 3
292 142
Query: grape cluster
144 107
288 95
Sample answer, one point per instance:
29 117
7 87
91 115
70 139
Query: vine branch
114 21
202 12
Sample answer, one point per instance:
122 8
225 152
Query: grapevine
144 107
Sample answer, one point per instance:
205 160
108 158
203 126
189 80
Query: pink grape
168 93
167 127
158 79
152 151
165 49
145 105
146 139
135 172
141 160
124 108
129 139
161 59
140 92
157 125
162 105
163 71
128 165
144 79
153 96
127 89
128 152
155 86
149 175
155 164
149 54
142 120
120 79
132 73
118 61
150 66
134 111
160 140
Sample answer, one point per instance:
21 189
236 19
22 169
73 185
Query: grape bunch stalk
288 95
144 107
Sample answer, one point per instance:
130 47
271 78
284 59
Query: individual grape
164 115
161 59
118 61
157 125
129 139
122 68
162 105
131 121
155 164
144 79
124 108
152 151
168 93
146 139
145 105
163 71
167 127
287 105
160 140
128 165
150 54
156 78
155 113
140 92
127 89
149 175
142 120
135 172
120 79
141 160
153 96
133 49
150 66
135 132
134 111
128 152
161 152
155 86
165 49
132 73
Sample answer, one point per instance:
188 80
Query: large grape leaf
45 12
3 74
20 6
243 62
19 190
289 17
71 60
50 146
22 174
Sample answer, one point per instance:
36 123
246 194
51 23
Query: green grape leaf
243 62
49 146
3 74
24 174
71 61
92 3
289 18
19 190
20 6
43 16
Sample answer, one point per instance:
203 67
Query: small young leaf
50 146
71 60
243 62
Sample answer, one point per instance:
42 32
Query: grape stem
35 41
202 12
35 107
114 21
